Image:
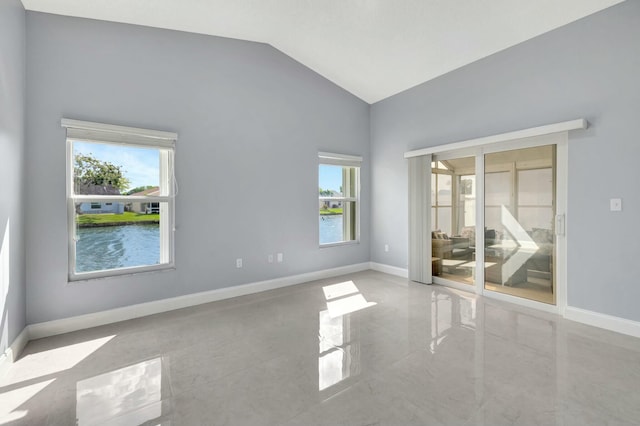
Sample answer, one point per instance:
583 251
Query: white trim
14 350
66 325
480 207
332 156
388 269
521 301
339 159
122 198
77 277
565 126
340 243
87 128
561 255
444 282
608 322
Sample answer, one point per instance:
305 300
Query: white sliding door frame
555 134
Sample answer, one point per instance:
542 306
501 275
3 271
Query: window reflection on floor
339 356
447 312
131 395
339 349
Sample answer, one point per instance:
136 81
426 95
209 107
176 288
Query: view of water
330 229
117 247
112 247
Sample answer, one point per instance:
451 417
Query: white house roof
371 48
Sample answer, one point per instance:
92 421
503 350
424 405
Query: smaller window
339 198
95 206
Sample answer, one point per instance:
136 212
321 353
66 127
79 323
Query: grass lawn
126 217
331 211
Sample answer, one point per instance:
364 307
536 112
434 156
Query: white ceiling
371 48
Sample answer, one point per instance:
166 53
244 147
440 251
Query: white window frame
353 161
83 131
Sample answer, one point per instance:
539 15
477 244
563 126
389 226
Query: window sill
115 273
341 243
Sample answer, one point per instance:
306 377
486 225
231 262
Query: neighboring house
98 207
331 204
94 207
145 208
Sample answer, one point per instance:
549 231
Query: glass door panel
453 219
519 222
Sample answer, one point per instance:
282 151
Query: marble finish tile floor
361 349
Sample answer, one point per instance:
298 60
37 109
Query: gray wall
250 122
590 69
12 141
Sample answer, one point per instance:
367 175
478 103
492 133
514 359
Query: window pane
444 190
535 187
330 180
108 169
519 243
444 219
536 217
434 180
492 218
466 208
338 224
118 236
337 216
497 188
330 228
434 219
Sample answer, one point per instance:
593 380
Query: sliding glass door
493 221
519 213
453 218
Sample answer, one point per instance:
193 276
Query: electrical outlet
270 258
238 263
615 204
280 257
386 247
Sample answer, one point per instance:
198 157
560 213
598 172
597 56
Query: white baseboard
608 322
13 351
388 269
66 325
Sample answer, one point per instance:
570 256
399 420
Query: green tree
89 171
325 192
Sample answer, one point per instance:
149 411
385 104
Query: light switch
616 204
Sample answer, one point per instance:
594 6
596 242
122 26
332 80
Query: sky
330 177
140 165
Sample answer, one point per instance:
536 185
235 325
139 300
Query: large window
120 194
339 198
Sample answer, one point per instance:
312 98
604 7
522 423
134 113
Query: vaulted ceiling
371 48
